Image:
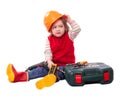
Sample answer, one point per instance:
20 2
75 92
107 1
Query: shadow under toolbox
78 75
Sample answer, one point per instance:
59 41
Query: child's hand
68 18
50 63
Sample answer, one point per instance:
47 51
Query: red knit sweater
62 49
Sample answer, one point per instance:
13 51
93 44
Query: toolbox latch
106 76
78 79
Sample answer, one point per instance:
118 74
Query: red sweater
62 49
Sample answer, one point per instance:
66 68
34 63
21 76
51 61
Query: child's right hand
50 63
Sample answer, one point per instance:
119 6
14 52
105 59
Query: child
59 48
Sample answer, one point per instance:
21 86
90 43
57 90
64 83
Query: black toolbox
78 75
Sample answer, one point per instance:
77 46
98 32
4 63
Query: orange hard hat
50 17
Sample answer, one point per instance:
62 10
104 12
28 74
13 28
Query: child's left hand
68 18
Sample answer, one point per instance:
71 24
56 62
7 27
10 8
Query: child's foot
10 72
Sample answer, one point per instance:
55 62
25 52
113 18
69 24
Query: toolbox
96 72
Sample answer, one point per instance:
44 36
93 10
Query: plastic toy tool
49 79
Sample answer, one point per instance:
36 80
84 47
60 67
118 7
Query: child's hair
64 23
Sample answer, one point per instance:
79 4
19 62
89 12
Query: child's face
58 28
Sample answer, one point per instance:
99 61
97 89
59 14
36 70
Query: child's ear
66 30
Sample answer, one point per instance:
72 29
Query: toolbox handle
82 63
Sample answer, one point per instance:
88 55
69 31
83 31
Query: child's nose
58 28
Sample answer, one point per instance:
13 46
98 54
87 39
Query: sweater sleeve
47 52
75 30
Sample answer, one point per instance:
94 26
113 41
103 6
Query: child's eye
61 26
53 27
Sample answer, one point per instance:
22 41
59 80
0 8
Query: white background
23 35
